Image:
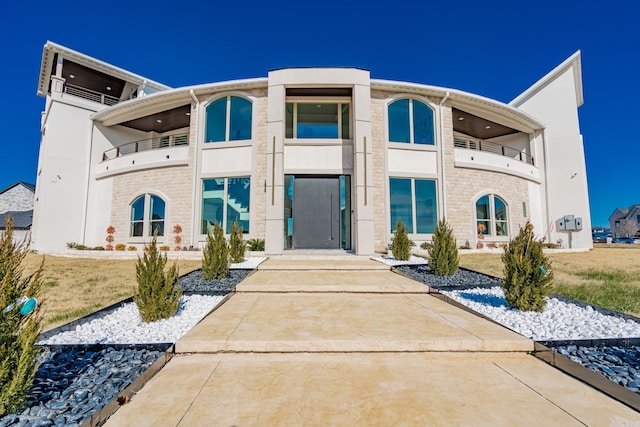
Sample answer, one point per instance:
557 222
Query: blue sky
492 48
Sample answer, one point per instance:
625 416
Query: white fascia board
574 61
165 100
472 103
50 49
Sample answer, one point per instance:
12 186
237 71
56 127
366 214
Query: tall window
491 216
147 216
317 120
411 121
414 202
228 119
225 200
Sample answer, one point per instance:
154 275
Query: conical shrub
527 272
401 245
19 327
158 294
215 263
443 252
237 246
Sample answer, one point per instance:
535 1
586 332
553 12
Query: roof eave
50 49
574 62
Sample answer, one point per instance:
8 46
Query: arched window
491 216
411 121
228 119
147 216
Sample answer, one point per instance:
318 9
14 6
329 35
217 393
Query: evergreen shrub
237 246
158 294
443 253
215 263
401 245
18 332
527 272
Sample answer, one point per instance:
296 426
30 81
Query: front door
316 209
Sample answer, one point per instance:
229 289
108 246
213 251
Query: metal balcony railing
145 145
91 95
492 147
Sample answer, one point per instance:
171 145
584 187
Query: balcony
492 147
146 145
90 95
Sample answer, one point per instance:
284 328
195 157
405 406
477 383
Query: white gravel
413 260
124 326
558 321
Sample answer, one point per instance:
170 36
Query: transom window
411 121
147 216
317 120
414 202
491 216
228 119
225 200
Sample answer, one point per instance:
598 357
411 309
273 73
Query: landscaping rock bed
620 364
71 384
462 279
74 382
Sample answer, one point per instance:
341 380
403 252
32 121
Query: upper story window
147 216
228 119
411 121
491 216
318 120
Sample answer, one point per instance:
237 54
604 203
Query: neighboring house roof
29 187
21 219
624 213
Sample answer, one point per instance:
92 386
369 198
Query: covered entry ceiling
478 127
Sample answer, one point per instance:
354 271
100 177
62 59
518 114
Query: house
625 222
321 158
17 201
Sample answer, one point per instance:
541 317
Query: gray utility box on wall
569 223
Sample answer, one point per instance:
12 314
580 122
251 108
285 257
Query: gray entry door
316 213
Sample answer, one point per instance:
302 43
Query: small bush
98 248
164 248
492 245
256 245
237 246
443 254
132 248
121 247
401 245
527 272
465 246
215 262
158 293
426 245
18 332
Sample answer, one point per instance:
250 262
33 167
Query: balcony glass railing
145 145
492 147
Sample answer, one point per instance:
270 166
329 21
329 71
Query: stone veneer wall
177 184
379 147
17 198
173 182
259 175
463 186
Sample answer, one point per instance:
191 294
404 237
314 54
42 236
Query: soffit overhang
477 105
169 99
50 50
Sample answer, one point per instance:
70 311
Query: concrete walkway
347 342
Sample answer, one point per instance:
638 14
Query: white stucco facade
305 158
